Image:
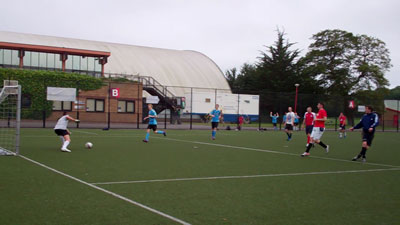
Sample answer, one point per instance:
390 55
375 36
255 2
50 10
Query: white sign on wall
152 100
61 94
361 108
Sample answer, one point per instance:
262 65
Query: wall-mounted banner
61 94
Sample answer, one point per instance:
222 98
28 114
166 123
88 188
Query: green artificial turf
219 183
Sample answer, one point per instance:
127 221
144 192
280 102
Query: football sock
363 152
62 139
322 144
308 148
308 139
65 145
147 136
288 135
213 133
160 132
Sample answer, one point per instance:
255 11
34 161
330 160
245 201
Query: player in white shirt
61 130
289 123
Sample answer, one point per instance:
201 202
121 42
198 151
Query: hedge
35 82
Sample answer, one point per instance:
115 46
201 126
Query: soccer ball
89 145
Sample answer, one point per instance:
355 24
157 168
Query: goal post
10 117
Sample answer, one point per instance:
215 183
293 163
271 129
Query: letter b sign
115 92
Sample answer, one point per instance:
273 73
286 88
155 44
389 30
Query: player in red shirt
308 122
342 125
318 130
240 122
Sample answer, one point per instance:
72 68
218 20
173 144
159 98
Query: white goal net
10 117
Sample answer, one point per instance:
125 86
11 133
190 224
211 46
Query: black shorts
289 127
274 124
342 127
61 132
152 127
296 123
309 129
368 137
214 125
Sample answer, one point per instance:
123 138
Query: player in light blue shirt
274 119
152 123
216 115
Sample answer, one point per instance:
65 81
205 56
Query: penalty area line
245 176
107 192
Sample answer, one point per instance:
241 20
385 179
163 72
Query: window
68 63
26 101
35 59
126 107
42 60
76 62
97 65
94 105
7 57
62 106
84 63
27 59
50 60
90 64
1 56
58 62
14 58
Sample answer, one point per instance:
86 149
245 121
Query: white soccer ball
89 145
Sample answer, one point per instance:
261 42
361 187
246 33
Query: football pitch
245 177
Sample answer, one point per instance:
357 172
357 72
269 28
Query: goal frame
14 89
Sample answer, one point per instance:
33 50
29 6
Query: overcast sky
231 32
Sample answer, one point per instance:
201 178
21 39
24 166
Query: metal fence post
259 114
238 111
191 107
335 123
138 106
397 122
109 106
165 106
78 104
44 104
215 97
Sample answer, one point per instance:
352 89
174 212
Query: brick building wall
131 92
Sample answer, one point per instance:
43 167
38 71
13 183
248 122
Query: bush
35 82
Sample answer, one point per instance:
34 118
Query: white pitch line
108 192
245 176
97 136
85 132
271 151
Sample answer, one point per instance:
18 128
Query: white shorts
316 133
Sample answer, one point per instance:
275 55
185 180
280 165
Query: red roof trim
393 110
57 50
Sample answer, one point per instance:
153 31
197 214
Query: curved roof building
168 67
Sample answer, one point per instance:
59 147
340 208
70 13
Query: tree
394 94
347 63
231 76
277 67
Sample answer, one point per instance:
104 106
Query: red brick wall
128 92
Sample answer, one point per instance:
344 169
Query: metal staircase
153 87
168 100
